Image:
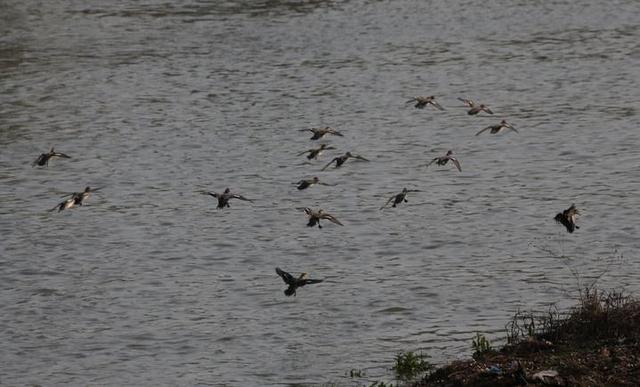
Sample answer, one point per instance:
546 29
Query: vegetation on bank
596 344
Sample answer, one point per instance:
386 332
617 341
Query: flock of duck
567 218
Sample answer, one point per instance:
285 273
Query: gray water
149 284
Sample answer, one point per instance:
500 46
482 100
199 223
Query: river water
150 284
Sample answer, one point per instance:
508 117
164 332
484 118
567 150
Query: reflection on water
150 284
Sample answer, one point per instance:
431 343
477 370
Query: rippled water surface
149 284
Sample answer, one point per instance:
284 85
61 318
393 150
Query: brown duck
422 102
443 160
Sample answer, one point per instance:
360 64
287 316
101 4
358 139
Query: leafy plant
480 345
409 365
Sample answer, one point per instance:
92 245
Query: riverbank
596 344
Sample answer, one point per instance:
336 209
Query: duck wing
433 161
467 102
286 277
236 196
360 158
388 201
456 163
437 105
485 129
331 219
310 281
330 162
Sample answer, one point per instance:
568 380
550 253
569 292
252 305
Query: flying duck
295 283
318 133
304 184
422 102
568 218
443 160
223 198
475 109
315 216
76 199
43 159
399 198
498 128
341 159
314 153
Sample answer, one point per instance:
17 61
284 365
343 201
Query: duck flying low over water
44 158
341 159
295 283
318 133
495 129
316 216
304 184
443 160
475 108
568 218
314 153
399 198
223 198
76 199
422 102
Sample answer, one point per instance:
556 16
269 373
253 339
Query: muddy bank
595 344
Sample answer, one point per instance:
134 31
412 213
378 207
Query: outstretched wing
62 155
331 219
286 277
486 109
467 102
388 201
215 195
330 162
236 196
360 158
301 153
433 161
485 129
311 281
512 128
437 105
333 131
456 163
